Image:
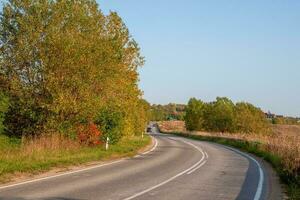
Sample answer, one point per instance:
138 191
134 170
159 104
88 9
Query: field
281 148
23 158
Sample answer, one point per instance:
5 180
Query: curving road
175 168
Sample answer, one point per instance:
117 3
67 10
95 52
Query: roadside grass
290 180
36 156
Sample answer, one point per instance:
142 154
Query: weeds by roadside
41 154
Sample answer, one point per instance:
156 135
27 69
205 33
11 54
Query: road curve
176 168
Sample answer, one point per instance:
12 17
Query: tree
194 118
219 115
63 62
250 119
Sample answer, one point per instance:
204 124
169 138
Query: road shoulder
19 178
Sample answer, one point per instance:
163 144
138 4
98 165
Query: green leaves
223 115
195 114
64 60
4 104
110 121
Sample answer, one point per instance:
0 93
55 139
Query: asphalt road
175 168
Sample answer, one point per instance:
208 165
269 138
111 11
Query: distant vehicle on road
149 129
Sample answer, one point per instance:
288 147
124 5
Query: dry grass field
284 141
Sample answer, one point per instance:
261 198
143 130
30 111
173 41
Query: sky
245 50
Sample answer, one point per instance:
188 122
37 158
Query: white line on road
73 172
261 174
197 167
172 178
58 175
153 148
206 154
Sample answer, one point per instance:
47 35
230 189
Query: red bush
89 134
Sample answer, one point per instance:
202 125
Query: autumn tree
250 119
64 63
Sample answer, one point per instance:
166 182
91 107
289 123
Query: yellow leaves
83 59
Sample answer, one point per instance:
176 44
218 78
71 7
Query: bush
24 119
110 121
89 134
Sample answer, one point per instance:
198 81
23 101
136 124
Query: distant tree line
64 65
285 120
223 115
170 111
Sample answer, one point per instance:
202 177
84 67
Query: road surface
175 168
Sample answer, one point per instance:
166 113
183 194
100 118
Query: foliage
4 104
219 115
286 120
62 61
167 112
46 152
223 115
250 119
111 123
194 116
24 118
89 134
141 116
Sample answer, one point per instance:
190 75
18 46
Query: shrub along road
176 168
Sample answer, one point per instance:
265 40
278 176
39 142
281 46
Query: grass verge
292 183
16 159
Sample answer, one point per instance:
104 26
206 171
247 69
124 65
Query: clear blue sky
245 50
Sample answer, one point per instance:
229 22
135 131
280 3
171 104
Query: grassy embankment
281 149
27 157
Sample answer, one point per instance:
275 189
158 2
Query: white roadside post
106 144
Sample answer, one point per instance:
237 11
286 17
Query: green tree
111 123
219 115
194 117
63 62
250 119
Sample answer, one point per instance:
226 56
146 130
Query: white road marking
153 148
58 175
206 154
261 174
73 172
172 178
203 155
197 167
